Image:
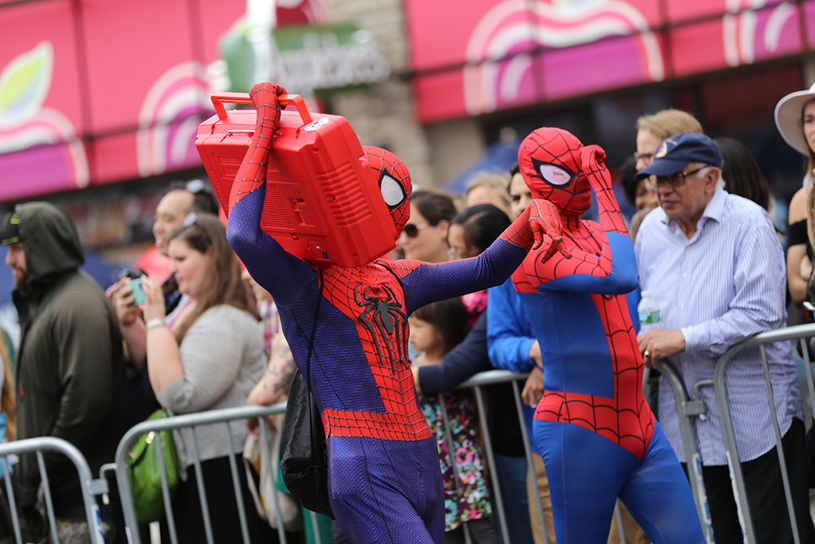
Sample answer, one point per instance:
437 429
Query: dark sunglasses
411 230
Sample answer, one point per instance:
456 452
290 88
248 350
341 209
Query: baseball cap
10 230
675 152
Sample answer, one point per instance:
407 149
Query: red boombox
322 201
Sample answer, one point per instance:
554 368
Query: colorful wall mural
98 91
511 53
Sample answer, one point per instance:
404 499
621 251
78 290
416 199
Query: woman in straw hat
795 119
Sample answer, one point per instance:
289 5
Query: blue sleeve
465 360
621 279
633 300
509 332
431 282
276 270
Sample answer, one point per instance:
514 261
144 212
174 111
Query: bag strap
314 326
389 269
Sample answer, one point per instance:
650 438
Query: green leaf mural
24 83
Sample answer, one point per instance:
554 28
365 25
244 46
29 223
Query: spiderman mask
549 160
393 179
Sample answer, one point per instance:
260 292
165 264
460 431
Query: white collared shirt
721 286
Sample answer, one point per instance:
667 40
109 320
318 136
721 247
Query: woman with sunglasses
210 358
423 236
347 328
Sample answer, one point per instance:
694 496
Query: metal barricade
252 412
493 377
800 333
477 383
89 487
191 421
688 408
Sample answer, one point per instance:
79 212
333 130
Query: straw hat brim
789 118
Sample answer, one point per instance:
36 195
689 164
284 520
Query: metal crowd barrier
191 421
91 487
477 383
690 406
801 333
88 485
251 412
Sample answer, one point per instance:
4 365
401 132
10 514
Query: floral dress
466 497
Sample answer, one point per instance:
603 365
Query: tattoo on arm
280 370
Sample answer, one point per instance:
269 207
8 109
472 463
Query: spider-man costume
384 478
598 437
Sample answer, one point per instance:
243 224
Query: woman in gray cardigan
209 358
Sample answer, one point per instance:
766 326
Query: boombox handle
243 98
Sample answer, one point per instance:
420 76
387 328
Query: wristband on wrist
153 323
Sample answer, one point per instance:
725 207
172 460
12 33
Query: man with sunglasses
713 263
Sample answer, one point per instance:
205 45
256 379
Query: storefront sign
309 58
501 55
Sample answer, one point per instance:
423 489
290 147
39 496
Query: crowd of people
231 316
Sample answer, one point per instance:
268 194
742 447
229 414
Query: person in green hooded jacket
70 375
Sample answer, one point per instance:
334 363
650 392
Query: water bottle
649 314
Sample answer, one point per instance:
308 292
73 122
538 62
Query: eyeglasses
411 230
678 179
645 157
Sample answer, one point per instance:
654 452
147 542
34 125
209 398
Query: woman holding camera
210 358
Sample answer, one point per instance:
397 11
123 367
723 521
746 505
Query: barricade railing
690 407
191 421
225 416
98 487
477 382
88 486
799 333
495 377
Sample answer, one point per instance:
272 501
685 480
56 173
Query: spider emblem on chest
384 318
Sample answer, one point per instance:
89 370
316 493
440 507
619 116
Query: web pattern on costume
624 418
253 168
388 167
373 296
374 300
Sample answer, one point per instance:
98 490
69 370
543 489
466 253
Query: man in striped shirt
714 265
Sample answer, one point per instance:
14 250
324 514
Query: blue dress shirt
721 286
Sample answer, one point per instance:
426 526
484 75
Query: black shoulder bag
303 450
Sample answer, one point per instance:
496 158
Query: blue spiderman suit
598 438
384 479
